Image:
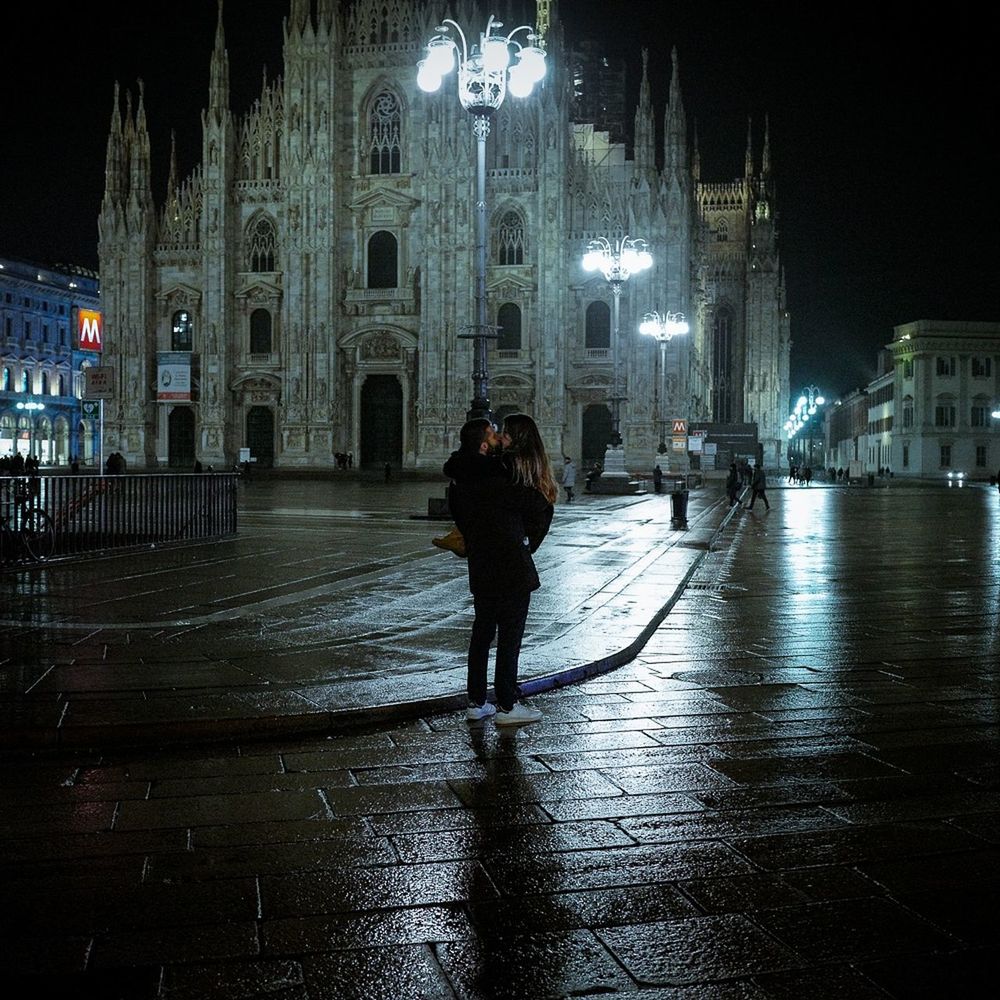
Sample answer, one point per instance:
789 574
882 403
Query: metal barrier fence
49 516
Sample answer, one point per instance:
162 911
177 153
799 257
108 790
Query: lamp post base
613 478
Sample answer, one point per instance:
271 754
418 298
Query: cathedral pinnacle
218 86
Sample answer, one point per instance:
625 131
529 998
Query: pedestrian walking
733 485
758 486
569 477
503 521
388 471
657 479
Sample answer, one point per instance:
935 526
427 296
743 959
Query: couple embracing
501 498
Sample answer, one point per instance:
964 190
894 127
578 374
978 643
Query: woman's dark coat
502 522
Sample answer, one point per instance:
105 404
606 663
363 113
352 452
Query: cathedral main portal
180 428
381 422
260 435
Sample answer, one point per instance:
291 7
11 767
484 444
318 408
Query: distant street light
484 76
31 409
664 328
617 263
806 406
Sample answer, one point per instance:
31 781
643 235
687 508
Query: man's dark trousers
503 617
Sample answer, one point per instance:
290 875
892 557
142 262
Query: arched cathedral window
261 243
383 251
598 330
510 239
260 332
384 135
181 331
722 364
509 322
722 232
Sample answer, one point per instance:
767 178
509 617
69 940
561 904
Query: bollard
678 508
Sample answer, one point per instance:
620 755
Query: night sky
883 139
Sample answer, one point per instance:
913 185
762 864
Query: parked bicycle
26 530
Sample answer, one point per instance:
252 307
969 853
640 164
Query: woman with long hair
525 451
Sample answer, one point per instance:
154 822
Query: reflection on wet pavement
790 792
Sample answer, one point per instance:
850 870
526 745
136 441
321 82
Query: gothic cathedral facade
304 292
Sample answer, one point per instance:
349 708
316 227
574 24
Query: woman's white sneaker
476 713
519 715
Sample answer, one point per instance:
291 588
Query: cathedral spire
675 122
218 86
298 16
644 127
696 159
140 151
113 179
748 168
765 166
172 177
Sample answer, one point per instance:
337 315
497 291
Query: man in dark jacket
503 523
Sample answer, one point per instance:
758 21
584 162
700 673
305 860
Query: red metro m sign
89 330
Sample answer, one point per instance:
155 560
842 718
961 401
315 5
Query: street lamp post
485 74
664 328
617 263
31 408
805 408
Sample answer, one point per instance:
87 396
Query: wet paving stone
66 957
854 930
853 845
832 982
969 913
619 866
560 911
700 948
212 810
546 966
231 981
376 974
386 928
370 889
722 825
832 882
188 944
901 872
825 767
294 832
431 820
968 973
485 841
621 806
228 862
741 893
414 796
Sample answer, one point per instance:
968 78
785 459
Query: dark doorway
596 434
381 422
260 436
180 438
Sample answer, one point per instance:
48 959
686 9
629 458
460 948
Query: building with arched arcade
50 332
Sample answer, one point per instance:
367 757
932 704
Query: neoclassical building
304 290
50 333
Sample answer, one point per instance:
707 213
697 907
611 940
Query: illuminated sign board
99 382
173 375
89 331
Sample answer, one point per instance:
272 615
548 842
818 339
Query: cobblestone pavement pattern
790 792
